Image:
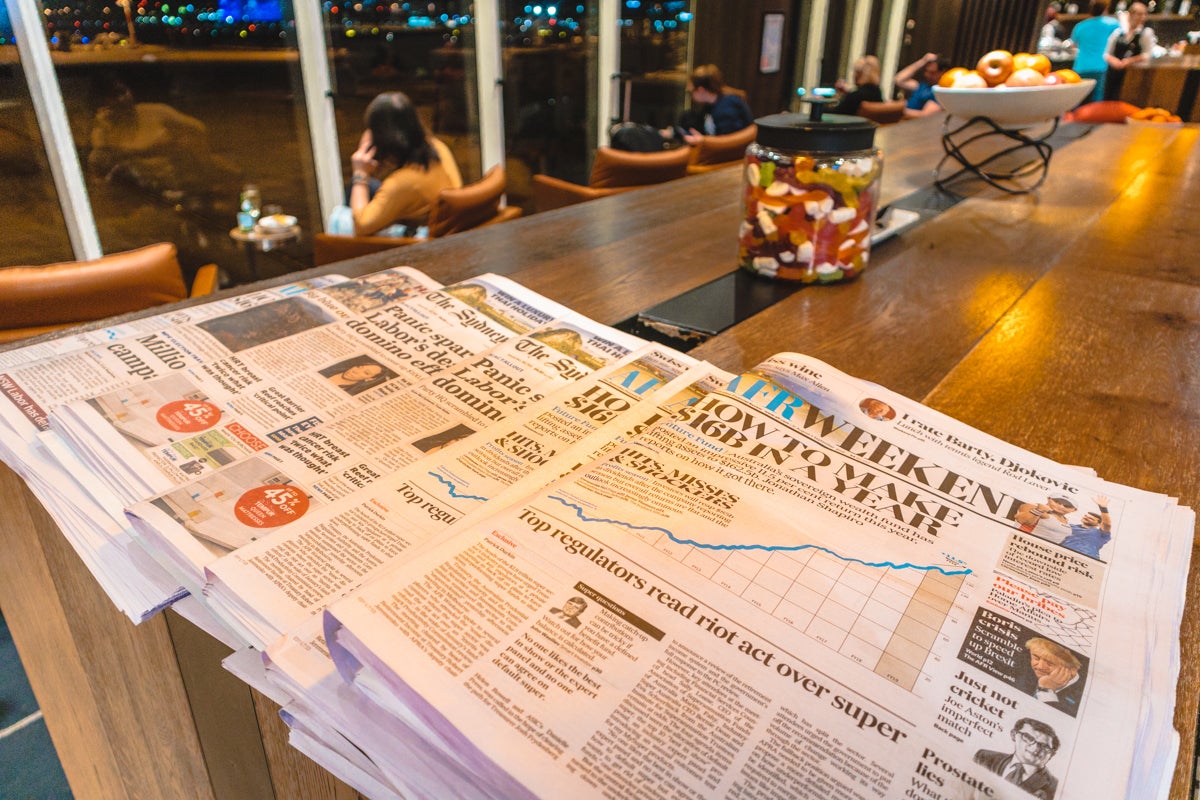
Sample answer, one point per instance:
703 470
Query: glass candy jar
811 190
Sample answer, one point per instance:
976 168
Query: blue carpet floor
29 768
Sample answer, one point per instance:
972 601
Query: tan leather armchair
613 171
714 152
472 206
36 300
885 113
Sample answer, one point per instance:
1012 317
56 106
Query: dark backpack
635 137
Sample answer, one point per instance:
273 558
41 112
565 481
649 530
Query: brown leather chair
613 171
331 247
886 113
714 152
1101 111
36 300
472 206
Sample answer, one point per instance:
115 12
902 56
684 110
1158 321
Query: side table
258 241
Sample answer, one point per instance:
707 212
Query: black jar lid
816 131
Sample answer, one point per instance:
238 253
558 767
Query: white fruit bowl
1014 106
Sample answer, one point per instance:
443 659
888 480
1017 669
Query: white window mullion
858 32
891 40
815 49
51 113
608 69
488 66
318 99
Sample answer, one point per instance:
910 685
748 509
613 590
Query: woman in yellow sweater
412 165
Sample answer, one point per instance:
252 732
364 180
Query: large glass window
34 231
174 107
549 54
655 60
425 50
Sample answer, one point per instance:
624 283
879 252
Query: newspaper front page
763 598
609 405
293 571
323 366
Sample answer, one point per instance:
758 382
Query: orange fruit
1068 75
970 79
995 67
1035 61
950 75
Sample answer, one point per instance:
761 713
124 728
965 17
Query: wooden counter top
1063 321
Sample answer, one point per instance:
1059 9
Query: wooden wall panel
730 35
111 692
963 30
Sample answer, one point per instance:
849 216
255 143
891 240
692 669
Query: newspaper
317 365
765 597
189 527
609 406
36 378
337 545
529 555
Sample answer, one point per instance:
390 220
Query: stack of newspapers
479 546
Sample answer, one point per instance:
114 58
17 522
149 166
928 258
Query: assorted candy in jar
810 196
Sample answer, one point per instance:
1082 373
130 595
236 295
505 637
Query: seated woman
412 165
716 108
866 87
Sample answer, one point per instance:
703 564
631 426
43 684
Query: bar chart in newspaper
885 618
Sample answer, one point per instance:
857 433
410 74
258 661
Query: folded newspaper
480 546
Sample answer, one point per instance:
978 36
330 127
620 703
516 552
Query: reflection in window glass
424 50
174 109
34 232
549 54
654 60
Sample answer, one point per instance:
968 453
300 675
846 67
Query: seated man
917 81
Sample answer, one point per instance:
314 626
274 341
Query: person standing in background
1132 45
1091 40
1051 33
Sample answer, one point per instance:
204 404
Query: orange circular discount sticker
188 416
270 506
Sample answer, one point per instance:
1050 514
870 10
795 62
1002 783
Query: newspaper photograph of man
1054 676
570 611
1034 744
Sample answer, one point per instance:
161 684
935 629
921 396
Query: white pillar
608 69
318 99
56 131
489 68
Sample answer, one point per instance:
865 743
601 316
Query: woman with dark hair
412 165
